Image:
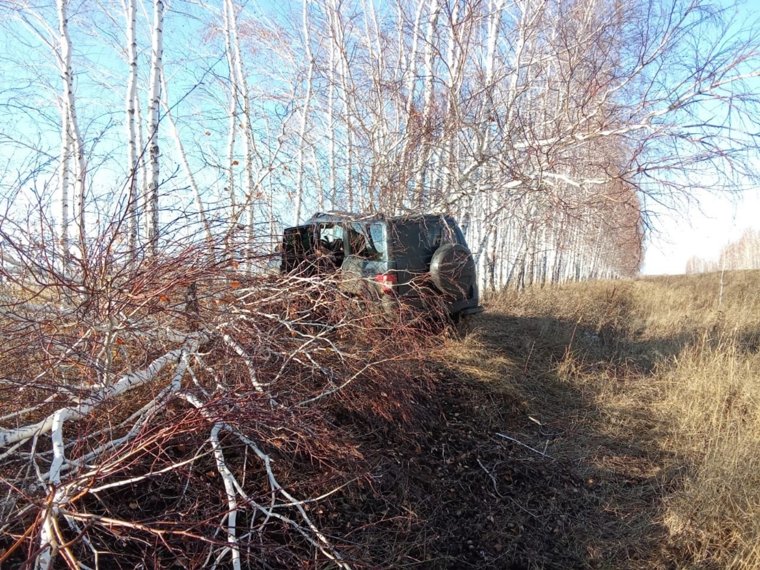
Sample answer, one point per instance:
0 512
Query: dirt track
569 487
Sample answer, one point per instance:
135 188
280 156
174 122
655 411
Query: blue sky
706 225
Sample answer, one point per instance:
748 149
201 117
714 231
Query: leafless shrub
174 408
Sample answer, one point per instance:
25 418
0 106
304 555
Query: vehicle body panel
362 248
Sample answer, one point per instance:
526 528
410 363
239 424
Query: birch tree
302 144
427 126
241 91
332 86
132 209
152 229
63 183
72 146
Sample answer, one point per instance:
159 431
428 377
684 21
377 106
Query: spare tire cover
452 270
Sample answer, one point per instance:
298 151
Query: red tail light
386 282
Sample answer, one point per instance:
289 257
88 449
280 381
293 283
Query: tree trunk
131 209
74 139
156 71
304 114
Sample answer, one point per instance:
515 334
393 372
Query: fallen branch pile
183 412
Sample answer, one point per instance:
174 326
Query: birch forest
548 128
151 153
743 253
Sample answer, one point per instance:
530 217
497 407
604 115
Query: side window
377 239
331 234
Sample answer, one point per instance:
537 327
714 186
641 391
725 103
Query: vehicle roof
337 216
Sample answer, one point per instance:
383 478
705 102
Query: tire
452 271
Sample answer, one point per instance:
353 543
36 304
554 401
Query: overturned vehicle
401 259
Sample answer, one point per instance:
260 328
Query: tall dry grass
691 346
711 402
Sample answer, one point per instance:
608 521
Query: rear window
368 241
422 237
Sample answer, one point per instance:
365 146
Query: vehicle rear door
413 243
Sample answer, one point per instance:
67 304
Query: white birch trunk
315 165
304 115
400 73
154 108
72 131
250 146
494 24
142 159
427 108
410 70
131 101
331 135
411 67
453 63
347 107
63 182
232 126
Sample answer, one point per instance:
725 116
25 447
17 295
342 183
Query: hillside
602 425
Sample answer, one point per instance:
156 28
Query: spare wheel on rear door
452 270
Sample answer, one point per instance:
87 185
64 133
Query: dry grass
712 397
671 367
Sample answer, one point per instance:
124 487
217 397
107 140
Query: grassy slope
646 395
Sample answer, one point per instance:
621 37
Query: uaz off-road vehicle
394 259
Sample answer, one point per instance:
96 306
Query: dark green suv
396 259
